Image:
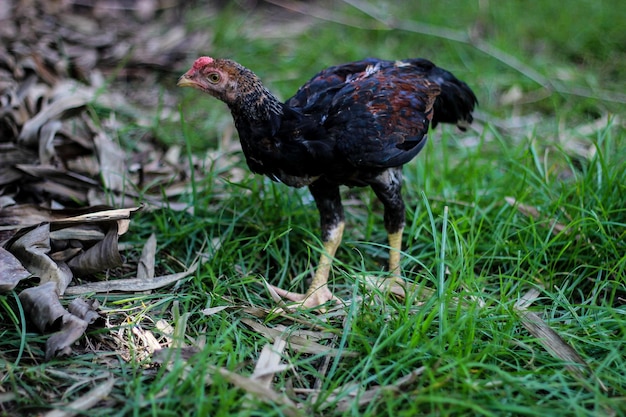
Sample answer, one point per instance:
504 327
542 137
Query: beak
186 81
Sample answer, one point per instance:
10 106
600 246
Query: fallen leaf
534 213
214 310
11 271
76 96
101 256
42 306
10 156
268 363
85 401
551 340
86 310
46 141
260 391
145 268
32 251
295 342
132 284
252 386
26 215
359 396
112 162
147 338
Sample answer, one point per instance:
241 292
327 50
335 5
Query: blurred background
548 60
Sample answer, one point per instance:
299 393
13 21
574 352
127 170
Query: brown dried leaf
112 162
167 356
86 310
145 268
551 340
295 342
268 363
74 96
67 178
534 213
10 156
84 402
42 305
147 339
214 310
131 285
32 250
100 216
46 144
11 271
260 391
253 386
56 191
361 396
88 232
26 215
103 255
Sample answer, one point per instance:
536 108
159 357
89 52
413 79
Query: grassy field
515 236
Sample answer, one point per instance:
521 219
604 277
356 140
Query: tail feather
455 103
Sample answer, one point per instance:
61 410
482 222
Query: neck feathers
255 102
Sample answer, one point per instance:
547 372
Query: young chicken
354 124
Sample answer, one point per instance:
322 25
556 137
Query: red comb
202 61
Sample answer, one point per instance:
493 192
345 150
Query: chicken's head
217 77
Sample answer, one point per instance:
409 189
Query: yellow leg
318 292
392 283
395 246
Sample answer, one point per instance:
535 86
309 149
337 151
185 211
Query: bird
354 124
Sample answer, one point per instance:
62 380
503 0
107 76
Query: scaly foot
312 299
392 284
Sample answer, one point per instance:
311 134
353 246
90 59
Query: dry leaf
25 215
269 362
534 213
77 96
42 305
32 250
101 256
145 268
112 162
295 342
85 401
11 271
148 340
260 391
10 156
550 339
362 397
86 310
46 142
131 285
214 310
57 59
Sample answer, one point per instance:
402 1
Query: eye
213 77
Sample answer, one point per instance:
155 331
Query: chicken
354 124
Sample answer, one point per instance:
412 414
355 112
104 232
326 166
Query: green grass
463 342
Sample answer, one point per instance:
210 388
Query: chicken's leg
328 202
388 189
395 246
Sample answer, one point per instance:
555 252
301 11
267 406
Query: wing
316 94
380 118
